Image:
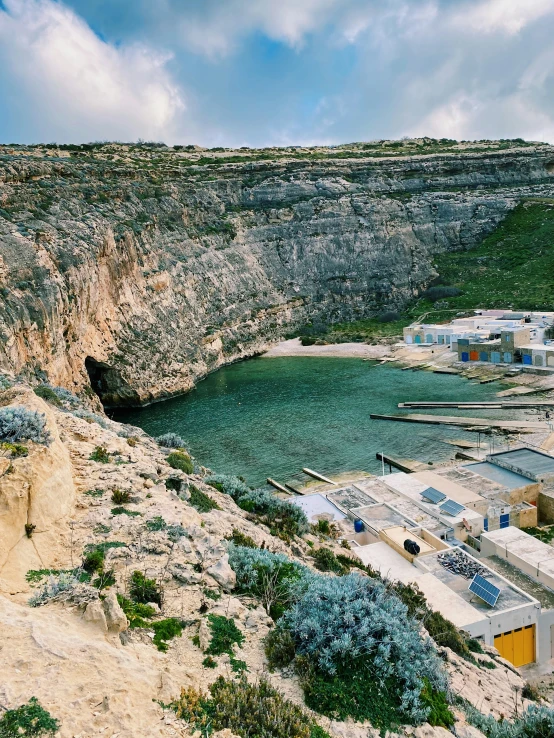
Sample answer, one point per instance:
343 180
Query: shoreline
293 347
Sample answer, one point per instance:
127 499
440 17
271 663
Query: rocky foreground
74 650
140 268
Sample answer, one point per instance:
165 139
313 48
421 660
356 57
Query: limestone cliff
142 268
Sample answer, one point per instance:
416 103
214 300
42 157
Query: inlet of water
272 416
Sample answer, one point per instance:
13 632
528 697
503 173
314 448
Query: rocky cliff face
139 269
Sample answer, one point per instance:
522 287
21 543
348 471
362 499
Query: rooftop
504 477
317 507
517 544
445 591
526 461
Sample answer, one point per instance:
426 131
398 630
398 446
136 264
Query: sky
275 72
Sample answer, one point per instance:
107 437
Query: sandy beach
293 347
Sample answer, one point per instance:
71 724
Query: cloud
508 16
74 86
257 72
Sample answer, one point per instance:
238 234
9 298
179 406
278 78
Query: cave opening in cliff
109 385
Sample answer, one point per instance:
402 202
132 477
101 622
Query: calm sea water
270 417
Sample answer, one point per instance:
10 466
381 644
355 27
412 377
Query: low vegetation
144 590
181 461
201 501
28 720
283 518
17 423
171 440
13 450
101 455
224 635
536 722
48 394
121 496
247 710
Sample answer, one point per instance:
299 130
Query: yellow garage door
517 646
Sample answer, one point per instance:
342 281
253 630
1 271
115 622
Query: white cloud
508 16
78 87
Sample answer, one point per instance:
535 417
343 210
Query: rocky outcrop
36 490
138 270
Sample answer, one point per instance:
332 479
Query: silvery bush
20 424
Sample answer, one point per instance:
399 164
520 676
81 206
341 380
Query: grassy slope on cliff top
512 267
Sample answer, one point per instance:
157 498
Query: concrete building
395 509
516 624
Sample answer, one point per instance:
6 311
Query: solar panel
488 592
451 508
433 495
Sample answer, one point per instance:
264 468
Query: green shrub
165 630
121 496
48 394
248 710
124 511
174 484
279 648
229 485
355 625
445 633
94 561
209 662
439 712
241 539
224 635
180 460
237 665
136 612
211 594
28 720
474 645
322 527
144 590
201 501
325 560
353 691
307 340
101 455
530 692
15 450
94 492
156 524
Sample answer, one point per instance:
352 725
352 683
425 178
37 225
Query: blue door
507 357
465 356
486 523
495 357
418 339
527 359
483 356
505 520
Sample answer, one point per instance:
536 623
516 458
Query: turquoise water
270 417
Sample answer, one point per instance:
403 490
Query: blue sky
275 72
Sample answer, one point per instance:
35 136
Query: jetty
277 486
512 426
485 404
406 465
315 475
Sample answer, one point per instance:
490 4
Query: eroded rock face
37 490
139 271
